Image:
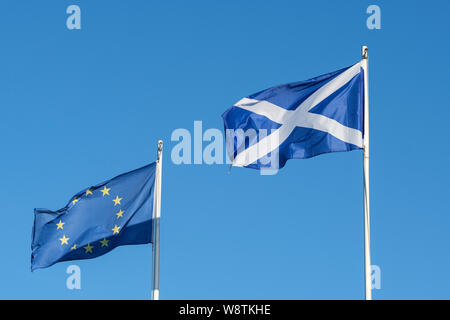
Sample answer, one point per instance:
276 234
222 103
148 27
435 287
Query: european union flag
298 120
114 213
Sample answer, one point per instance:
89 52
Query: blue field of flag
299 120
96 220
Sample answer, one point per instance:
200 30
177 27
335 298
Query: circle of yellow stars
105 242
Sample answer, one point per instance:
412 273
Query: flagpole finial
365 52
160 146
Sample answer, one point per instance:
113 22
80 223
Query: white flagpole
156 222
367 265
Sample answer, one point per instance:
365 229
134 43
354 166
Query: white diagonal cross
300 117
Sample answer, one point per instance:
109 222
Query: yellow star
60 225
117 200
88 192
115 229
104 242
88 248
119 214
75 200
74 247
64 240
105 190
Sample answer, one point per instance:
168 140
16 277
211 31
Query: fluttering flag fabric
297 120
96 220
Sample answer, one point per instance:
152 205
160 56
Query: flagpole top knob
365 52
159 153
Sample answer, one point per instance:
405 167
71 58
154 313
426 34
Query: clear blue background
81 106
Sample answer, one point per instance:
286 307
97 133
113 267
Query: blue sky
81 106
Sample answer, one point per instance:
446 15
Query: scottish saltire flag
297 120
97 219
